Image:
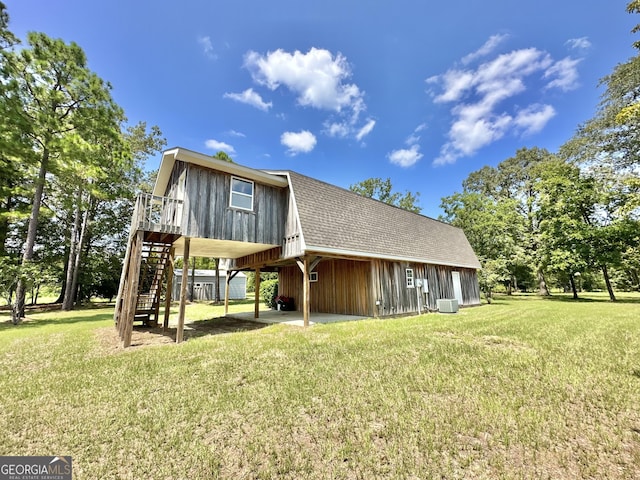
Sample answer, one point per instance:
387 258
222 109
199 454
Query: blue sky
423 92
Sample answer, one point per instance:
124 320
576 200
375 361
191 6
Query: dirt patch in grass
149 336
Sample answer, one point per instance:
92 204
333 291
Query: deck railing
157 214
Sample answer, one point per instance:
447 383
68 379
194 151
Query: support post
256 303
226 292
169 292
183 290
306 289
117 313
131 298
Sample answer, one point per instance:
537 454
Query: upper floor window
241 193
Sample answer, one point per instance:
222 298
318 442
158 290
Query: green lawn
523 388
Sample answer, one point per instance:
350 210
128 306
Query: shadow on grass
202 328
570 299
246 301
59 319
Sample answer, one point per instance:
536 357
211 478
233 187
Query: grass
523 388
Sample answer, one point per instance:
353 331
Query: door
457 287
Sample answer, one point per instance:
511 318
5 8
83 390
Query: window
409 277
313 276
241 194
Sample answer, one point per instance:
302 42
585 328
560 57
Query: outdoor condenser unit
447 305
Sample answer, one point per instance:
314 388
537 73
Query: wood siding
343 286
395 298
376 287
257 260
207 213
292 241
175 187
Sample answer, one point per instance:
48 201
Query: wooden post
117 313
256 303
183 290
226 292
306 288
169 292
132 293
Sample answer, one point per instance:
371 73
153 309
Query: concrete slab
293 318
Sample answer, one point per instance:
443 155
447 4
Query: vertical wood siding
396 298
208 215
343 286
292 241
353 287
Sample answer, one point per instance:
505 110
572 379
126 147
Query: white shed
205 285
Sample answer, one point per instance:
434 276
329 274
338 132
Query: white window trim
231 192
411 281
313 277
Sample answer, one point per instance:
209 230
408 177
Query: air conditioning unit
447 305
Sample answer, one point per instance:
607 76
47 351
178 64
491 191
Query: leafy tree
514 180
7 39
566 204
52 94
221 155
383 190
492 228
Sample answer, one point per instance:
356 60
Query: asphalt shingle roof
333 218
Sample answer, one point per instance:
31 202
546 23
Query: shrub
269 292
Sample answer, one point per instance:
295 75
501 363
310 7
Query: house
204 282
334 251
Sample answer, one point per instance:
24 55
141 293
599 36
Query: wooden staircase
155 257
154 229
149 256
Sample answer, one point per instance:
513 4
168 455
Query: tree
514 180
52 94
493 229
566 202
221 155
383 190
605 148
7 39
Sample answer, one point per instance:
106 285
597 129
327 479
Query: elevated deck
157 214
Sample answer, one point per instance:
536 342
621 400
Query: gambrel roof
337 221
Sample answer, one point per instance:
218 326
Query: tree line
570 217
70 166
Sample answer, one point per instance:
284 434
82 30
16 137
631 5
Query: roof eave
398 258
169 158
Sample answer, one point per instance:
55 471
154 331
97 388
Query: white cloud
534 118
489 46
456 83
298 142
235 133
337 129
564 74
318 79
250 97
405 157
207 47
217 146
581 43
414 137
478 96
365 130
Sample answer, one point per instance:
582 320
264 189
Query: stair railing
157 214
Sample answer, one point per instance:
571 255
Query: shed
205 285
